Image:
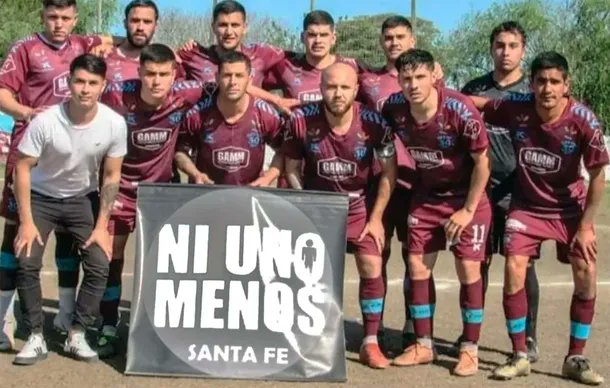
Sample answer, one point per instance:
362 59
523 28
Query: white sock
7 305
369 339
67 301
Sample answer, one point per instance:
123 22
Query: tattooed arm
108 192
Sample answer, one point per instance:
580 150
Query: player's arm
28 232
284 104
272 173
187 143
479 101
293 168
13 74
12 107
186 165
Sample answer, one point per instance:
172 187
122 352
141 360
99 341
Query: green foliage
20 18
358 37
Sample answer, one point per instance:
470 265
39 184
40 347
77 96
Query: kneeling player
446 137
552 133
228 131
336 139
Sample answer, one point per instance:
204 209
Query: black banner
235 282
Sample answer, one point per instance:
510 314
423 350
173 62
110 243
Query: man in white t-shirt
56 184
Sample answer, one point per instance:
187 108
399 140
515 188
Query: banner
236 282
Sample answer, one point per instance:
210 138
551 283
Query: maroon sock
581 316
406 283
471 302
421 307
515 311
371 304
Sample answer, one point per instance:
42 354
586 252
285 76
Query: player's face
233 80
507 51
59 22
318 40
339 90
157 78
549 87
416 83
229 29
86 88
396 41
140 25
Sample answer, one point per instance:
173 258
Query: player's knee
369 266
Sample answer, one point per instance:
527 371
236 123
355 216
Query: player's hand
101 237
202 179
26 236
457 223
287 104
585 241
261 181
33 112
190 45
101 50
374 228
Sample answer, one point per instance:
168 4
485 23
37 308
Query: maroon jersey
549 154
231 154
298 79
332 162
201 63
441 147
121 68
376 85
37 72
152 134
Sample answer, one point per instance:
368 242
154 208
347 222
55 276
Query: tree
358 37
20 18
176 27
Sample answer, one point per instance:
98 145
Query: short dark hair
90 63
234 57
396 21
508 26
58 3
318 17
157 53
141 3
549 60
413 58
226 7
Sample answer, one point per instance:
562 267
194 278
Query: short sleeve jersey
230 153
549 155
441 147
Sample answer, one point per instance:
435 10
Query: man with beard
333 145
446 137
140 22
56 183
507 46
153 107
228 131
553 135
34 75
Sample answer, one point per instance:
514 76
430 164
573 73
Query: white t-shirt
70 156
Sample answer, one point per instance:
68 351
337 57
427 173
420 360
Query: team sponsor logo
337 169
539 160
61 87
8 66
310 96
150 139
472 129
597 141
515 225
231 158
426 158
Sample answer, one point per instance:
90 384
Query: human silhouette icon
309 255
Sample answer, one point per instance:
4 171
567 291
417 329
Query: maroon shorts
123 218
356 221
427 234
525 232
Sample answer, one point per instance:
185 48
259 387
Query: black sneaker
107 342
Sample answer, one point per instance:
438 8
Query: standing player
153 107
338 141
507 46
552 134
228 131
34 76
140 22
56 183
446 137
